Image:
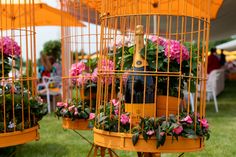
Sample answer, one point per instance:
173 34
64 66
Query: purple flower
124 119
150 132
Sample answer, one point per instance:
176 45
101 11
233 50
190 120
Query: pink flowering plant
10 51
159 51
84 73
73 109
23 100
175 126
111 115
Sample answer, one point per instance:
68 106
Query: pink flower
162 133
66 105
83 79
70 108
150 132
95 75
119 41
76 111
60 104
124 119
115 102
204 123
78 68
173 49
187 119
158 40
116 112
178 130
9 47
91 116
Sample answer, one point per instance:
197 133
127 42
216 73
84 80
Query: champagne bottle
136 83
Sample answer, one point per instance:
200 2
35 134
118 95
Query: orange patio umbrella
177 7
15 15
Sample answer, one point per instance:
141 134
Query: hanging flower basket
19 137
78 124
74 116
174 133
123 141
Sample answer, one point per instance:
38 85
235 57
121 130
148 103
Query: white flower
11 125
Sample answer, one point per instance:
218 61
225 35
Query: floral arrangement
10 51
84 73
38 109
175 126
73 109
112 115
161 50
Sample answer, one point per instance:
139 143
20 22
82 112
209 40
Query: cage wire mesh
152 63
79 63
20 108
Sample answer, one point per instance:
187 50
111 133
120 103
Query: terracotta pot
78 124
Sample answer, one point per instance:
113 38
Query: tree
52 48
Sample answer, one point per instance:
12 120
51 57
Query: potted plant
22 102
84 76
75 114
174 131
19 108
160 52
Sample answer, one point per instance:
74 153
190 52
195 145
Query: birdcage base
78 124
123 141
19 137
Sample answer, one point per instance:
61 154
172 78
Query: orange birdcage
152 62
20 108
79 62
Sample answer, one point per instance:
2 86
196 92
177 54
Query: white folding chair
45 88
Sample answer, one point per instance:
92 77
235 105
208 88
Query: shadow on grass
36 149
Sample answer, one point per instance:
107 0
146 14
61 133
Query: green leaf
145 136
135 138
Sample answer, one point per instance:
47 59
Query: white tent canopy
229 46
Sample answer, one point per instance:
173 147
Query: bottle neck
139 61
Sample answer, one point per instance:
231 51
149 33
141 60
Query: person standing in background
222 58
213 61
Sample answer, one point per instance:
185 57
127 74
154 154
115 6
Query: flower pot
172 105
78 124
123 141
19 137
140 110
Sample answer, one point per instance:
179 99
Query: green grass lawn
56 142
